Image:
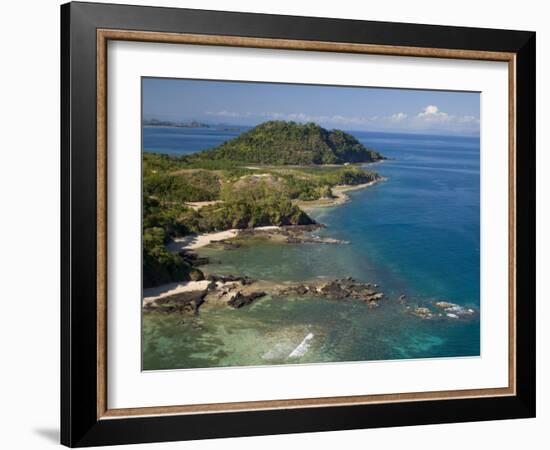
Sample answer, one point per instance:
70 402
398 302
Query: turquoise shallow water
416 233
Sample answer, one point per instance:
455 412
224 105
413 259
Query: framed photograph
276 224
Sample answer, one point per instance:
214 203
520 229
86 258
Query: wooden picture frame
86 418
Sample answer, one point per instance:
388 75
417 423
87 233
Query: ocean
416 234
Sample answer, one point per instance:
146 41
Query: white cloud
431 118
398 117
430 110
433 114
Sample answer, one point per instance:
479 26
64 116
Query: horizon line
349 130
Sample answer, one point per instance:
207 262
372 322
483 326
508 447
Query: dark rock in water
294 240
374 297
184 302
344 289
230 245
293 234
423 312
244 280
302 239
240 299
445 305
334 290
445 310
202 261
193 259
302 228
453 311
302 290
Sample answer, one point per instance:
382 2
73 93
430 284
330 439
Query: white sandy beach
267 228
339 193
195 241
152 294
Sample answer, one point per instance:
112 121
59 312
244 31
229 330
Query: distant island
166 123
283 143
266 177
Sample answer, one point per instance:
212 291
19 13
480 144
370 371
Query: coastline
239 291
197 241
151 295
339 193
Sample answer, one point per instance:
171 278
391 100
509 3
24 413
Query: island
171 124
289 143
267 176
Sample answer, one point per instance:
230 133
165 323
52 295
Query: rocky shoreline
441 309
291 234
240 291
338 289
237 292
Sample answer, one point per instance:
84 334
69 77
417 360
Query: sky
346 108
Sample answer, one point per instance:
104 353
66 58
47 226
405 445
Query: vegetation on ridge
282 143
292 161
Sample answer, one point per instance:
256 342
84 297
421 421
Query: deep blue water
182 141
417 233
422 225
